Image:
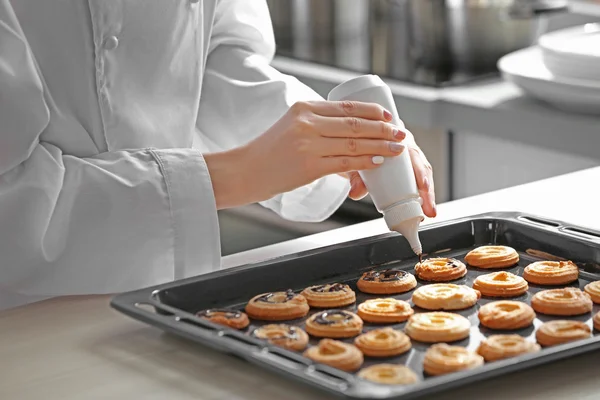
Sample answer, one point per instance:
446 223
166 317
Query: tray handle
589 235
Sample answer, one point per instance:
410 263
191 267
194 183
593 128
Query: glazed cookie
383 342
593 289
506 315
561 331
566 301
277 306
231 318
492 257
388 374
500 284
387 281
443 359
336 354
440 269
385 311
334 324
551 272
596 321
437 326
329 296
498 347
286 336
445 296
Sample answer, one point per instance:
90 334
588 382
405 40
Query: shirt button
111 43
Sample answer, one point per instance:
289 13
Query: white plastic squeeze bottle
392 186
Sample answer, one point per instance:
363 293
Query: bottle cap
405 219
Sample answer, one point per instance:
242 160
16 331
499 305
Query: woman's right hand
312 140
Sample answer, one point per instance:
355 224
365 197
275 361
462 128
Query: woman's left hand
423 176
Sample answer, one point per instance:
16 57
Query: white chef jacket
105 110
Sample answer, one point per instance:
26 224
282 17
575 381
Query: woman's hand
423 176
312 140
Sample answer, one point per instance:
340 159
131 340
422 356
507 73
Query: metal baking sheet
173 306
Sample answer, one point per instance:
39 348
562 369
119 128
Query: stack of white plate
564 69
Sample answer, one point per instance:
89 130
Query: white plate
526 69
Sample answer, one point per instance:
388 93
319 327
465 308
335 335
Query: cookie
383 342
492 257
329 296
593 289
388 374
439 326
551 272
506 315
596 321
445 296
384 311
561 331
566 301
499 347
387 281
336 354
231 318
440 269
500 284
334 324
286 336
443 359
277 306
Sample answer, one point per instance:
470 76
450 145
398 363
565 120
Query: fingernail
378 160
396 147
387 115
426 183
398 134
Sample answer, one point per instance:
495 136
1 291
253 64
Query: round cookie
440 269
336 354
506 315
500 284
499 347
277 306
331 295
384 311
445 296
443 359
561 331
596 321
438 326
231 318
387 281
551 272
492 257
383 342
286 336
334 324
566 301
593 289
388 374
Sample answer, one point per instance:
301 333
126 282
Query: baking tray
172 306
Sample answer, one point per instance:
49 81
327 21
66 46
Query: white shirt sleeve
109 223
242 96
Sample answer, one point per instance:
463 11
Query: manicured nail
378 160
426 183
398 134
396 147
387 115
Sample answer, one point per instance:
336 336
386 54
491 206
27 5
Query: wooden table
79 348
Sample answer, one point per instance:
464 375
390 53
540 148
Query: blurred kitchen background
479 131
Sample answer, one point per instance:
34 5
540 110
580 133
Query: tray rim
239 344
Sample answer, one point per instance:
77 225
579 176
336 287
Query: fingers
424 178
358 190
357 109
328 147
356 127
336 165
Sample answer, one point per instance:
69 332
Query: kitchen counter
79 348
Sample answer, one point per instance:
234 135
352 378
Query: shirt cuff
197 247
314 202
